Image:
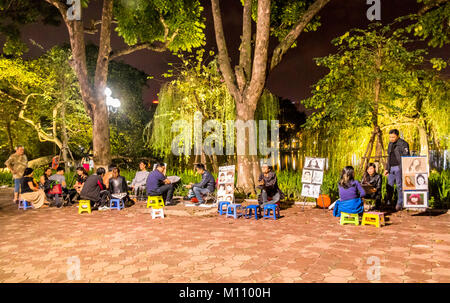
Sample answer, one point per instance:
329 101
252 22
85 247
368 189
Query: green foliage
199 87
178 22
284 15
433 25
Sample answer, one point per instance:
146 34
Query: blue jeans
394 177
17 185
198 192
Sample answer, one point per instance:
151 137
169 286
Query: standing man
159 185
17 163
396 149
207 185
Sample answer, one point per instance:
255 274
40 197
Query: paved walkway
304 246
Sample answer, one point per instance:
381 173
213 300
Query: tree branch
223 58
259 68
128 50
430 6
290 38
245 59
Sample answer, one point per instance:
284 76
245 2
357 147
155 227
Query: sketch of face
229 199
222 178
414 200
420 180
415 165
229 187
313 163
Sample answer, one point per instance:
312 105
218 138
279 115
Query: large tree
285 20
155 25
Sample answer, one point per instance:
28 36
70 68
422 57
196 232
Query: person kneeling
207 185
268 184
118 187
350 194
95 191
159 185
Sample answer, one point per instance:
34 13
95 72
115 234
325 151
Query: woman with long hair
30 191
372 178
350 194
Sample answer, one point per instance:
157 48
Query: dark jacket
92 187
270 184
375 181
207 181
401 148
118 185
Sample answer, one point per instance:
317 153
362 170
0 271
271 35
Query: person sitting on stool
268 184
118 187
372 178
207 185
159 185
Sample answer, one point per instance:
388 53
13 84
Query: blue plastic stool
23 204
116 204
252 209
275 211
232 211
221 205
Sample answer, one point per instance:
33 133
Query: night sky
292 78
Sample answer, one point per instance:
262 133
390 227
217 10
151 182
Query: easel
320 195
377 135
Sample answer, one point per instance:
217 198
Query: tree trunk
100 136
423 137
65 138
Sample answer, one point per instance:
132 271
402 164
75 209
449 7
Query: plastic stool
221 205
249 210
155 202
116 204
23 204
84 206
232 211
275 211
349 218
373 218
157 212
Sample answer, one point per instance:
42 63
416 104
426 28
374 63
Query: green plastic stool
349 218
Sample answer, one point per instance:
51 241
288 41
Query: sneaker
186 198
101 208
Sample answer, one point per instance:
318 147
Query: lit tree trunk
246 83
423 138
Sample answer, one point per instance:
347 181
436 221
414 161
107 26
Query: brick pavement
190 246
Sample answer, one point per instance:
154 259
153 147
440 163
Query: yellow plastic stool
349 218
84 205
155 202
373 218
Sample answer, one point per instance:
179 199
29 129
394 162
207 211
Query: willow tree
285 20
155 25
199 88
375 80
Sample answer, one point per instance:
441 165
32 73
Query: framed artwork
307 176
225 186
317 177
415 199
310 190
314 163
409 182
414 165
421 181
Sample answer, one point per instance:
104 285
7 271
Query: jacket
92 187
270 184
207 181
401 149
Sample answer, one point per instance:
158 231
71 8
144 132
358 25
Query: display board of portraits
225 183
415 171
312 176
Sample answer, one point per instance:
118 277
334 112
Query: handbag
55 190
